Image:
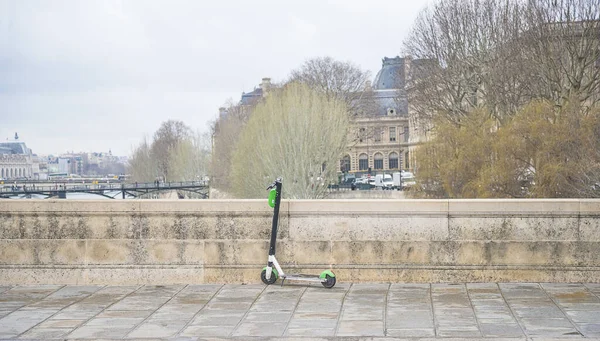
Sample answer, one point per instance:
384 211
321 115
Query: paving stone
37 291
125 313
159 290
360 328
20 321
357 313
369 288
296 323
138 302
46 333
129 322
51 323
76 315
590 329
409 319
157 329
583 316
410 333
221 319
260 329
541 323
500 329
310 332
99 332
554 333
466 332
207 331
538 313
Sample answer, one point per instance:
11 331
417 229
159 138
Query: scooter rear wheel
263 277
330 282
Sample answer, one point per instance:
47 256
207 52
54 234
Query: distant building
379 140
17 161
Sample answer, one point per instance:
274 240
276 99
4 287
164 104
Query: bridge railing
71 187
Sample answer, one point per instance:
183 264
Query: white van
379 180
408 179
397 180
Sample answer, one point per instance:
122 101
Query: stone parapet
205 241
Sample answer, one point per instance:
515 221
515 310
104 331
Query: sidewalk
348 311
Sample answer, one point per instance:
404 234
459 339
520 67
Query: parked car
361 181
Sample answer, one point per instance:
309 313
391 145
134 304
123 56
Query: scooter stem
275 218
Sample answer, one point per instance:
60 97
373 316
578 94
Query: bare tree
175 154
503 54
225 133
191 158
457 67
342 80
561 48
141 166
297 133
165 142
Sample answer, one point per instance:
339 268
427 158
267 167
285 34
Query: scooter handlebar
274 184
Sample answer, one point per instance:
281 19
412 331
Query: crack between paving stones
561 309
512 312
201 309
157 309
287 326
247 312
435 332
385 309
49 317
337 326
101 311
591 292
473 309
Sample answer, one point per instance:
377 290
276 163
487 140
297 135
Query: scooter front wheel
330 282
263 277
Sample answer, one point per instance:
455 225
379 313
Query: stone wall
205 241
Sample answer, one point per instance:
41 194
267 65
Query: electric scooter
273 270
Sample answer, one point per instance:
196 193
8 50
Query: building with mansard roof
381 141
17 161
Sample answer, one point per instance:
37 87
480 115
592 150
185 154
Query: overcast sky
97 75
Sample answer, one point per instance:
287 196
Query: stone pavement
369 311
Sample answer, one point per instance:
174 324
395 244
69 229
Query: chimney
368 86
265 85
222 112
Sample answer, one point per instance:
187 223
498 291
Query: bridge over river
109 190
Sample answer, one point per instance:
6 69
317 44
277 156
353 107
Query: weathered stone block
233 252
384 227
42 252
509 227
380 252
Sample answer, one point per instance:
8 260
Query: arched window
20 174
345 164
393 160
363 162
2 176
378 161
11 172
